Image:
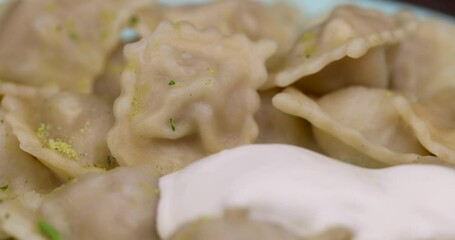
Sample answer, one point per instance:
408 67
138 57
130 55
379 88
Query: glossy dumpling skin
25 177
425 60
61 42
432 120
357 125
278 22
353 46
186 94
119 204
65 131
23 181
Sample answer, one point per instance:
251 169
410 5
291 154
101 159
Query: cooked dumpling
18 221
23 181
22 177
65 131
432 120
276 126
186 94
425 60
350 48
120 204
235 225
357 125
61 42
279 22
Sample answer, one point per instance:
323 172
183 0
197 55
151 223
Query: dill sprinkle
48 230
172 124
73 36
171 83
4 188
133 21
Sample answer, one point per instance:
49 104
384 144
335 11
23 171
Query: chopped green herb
4 188
172 124
73 36
7 215
133 21
1 120
171 83
48 230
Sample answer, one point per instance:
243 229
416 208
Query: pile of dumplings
101 98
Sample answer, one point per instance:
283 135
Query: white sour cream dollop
306 192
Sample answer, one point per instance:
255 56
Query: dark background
445 6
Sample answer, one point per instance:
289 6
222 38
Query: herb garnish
133 21
4 187
172 124
171 83
48 230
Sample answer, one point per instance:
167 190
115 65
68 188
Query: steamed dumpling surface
351 47
61 42
186 94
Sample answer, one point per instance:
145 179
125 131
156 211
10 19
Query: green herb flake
48 230
4 188
133 21
172 124
73 36
171 83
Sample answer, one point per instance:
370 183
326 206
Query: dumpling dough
186 94
352 47
120 204
61 42
23 181
432 120
358 125
235 225
425 60
279 22
65 131
276 126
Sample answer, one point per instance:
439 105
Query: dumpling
425 60
276 126
22 177
187 94
357 125
23 180
61 42
235 225
432 120
352 47
119 204
279 22
18 221
65 131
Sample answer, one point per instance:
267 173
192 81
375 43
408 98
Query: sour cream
306 192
